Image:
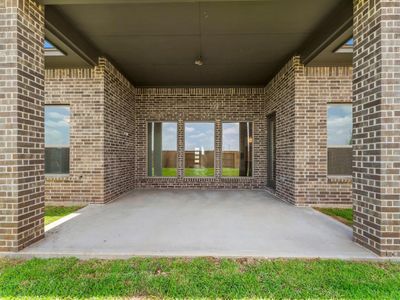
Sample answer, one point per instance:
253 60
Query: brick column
21 124
376 109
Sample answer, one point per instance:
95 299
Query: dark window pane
340 161
57 161
271 151
237 149
162 149
57 134
339 138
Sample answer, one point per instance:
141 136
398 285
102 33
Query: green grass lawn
230 172
200 172
344 215
53 213
169 172
202 278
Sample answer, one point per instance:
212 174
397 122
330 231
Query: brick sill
340 179
199 177
57 177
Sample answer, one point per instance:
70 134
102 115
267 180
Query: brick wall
299 96
279 98
83 91
119 133
201 104
21 124
109 137
376 118
315 89
101 133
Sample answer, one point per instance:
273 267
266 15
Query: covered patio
193 223
99 98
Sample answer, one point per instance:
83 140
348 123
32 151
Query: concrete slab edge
124 256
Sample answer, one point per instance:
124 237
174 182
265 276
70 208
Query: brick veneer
109 142
376 110
201 104
316 87
21 124
299 96
83 91
101 135
119 133
280 95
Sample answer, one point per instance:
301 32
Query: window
237 149
271 150
51 50
199 149
340 139
57 128
346 47
162 149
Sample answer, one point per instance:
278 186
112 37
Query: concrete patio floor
199 223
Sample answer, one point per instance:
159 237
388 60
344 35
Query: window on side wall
237 149
162 149
57 139
340 125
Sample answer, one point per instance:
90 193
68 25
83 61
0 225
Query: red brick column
376 110
21 124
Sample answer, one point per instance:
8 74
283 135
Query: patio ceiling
155 43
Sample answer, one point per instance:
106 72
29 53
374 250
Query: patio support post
376 119
21 124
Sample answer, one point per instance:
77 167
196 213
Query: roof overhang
157 42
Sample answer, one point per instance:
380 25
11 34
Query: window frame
222 149
337 146
57 145
215 149
147 145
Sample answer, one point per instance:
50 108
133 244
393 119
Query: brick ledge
340 179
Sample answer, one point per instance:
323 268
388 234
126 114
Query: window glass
48 45
346 47
340 139
51 50
162 149
340 124
57 136
237 149
340 161
199 149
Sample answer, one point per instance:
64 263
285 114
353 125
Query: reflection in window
237 149
162 149
346 47
199 149
340 139
57 134
51 50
